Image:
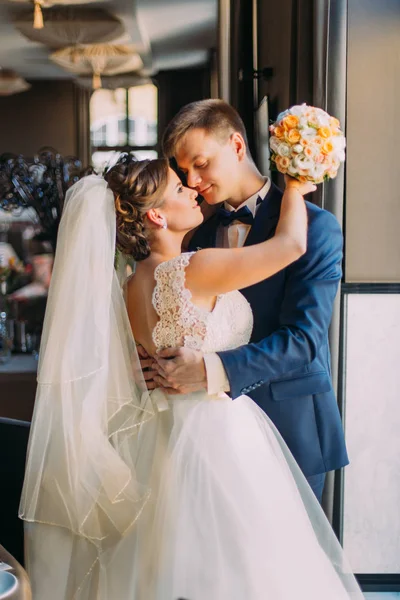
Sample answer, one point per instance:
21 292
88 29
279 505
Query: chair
13 445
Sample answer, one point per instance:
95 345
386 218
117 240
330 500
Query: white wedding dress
133 496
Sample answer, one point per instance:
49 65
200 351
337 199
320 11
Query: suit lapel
266 217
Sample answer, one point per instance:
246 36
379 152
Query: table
8 564
18 387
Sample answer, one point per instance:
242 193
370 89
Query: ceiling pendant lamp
39 5
71 25
98 59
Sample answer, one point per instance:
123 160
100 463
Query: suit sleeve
310 290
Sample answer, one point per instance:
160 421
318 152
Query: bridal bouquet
307 143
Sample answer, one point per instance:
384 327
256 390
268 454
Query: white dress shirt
232 236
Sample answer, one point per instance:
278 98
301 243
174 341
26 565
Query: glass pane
143 115
143 154
372 172
382 595
101 160
371 507
108 118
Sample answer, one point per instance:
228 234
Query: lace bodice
182 323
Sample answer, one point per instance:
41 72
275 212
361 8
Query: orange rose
279 131
304 142
293 136
290 122
282 163
324 132
308 151
334 123
327 148
318 140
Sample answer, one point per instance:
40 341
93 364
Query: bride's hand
147 362
304 188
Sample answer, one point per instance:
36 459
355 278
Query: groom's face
211 165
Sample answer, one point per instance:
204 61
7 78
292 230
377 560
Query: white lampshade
11 83
68 26
98 59
39 4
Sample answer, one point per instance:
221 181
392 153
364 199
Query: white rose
274 143
284 149
311 150
292 169
322 116
338 156
302 162
338 142
297 148
323 121
298 109
317 171
307 133
303 122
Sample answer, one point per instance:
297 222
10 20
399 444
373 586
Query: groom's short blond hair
216 117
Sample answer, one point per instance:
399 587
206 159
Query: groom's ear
238 144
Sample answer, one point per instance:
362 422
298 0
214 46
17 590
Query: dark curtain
241 75
304 42
179 87
82 124
329 92
284 44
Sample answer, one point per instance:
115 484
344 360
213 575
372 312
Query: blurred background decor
32 192
39 184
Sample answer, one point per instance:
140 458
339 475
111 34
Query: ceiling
168 34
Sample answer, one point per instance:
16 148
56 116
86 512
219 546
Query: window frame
128 117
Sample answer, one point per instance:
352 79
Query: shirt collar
251 202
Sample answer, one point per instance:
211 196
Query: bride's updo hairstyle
138 186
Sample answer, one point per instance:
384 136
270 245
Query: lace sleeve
181 322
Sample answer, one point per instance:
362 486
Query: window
123 120
371 528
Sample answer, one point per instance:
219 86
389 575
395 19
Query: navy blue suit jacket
286 367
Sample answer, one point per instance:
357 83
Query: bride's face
180 209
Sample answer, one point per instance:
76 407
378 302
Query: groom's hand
180 370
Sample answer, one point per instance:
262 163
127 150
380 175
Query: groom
285 368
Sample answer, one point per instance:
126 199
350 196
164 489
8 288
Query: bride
131 495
